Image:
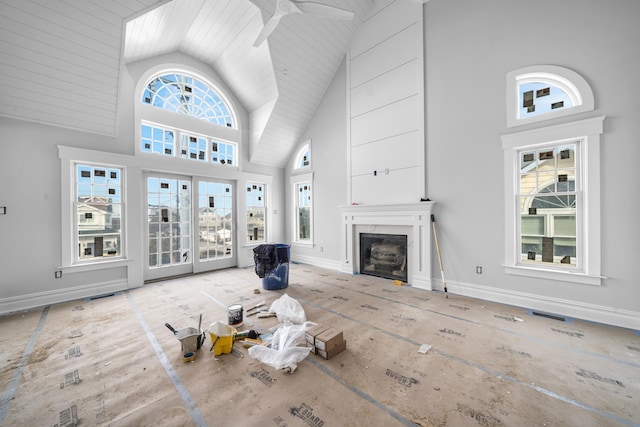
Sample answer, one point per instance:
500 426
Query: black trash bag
265 259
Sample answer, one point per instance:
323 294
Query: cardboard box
329 339
334 350
310 334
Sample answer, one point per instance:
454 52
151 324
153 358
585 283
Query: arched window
544 92
552 190
302 195
187 95
303 157
204 127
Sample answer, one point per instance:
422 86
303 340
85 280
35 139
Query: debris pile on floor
282 348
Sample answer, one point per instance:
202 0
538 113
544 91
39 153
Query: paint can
234 313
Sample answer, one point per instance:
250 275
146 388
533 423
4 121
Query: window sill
102 265
560 275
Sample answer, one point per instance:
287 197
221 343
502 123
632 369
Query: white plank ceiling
54 52
60 60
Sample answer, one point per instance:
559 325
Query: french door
215 224
185 237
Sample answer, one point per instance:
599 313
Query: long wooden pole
435 235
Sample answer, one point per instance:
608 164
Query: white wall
30 188
469 48
385 80
327 132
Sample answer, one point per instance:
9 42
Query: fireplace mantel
411 219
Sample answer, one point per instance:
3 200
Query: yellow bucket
221 337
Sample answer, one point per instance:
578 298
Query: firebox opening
384 255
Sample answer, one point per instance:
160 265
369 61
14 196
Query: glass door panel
216 233
169 236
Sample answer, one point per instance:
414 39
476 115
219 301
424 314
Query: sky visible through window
538 98
189 96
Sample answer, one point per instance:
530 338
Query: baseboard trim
40 299
574 309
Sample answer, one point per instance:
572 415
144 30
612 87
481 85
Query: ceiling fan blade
323 10
268 28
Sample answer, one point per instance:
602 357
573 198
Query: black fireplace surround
384 255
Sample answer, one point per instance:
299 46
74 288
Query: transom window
187 95
540 98
174 142
303 157
543 92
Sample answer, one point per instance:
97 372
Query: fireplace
384 255
411 220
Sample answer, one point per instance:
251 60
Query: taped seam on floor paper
473 365
190 404
10 391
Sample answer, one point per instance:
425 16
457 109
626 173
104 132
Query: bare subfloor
111 361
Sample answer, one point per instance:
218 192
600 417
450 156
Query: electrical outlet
478 269
57 274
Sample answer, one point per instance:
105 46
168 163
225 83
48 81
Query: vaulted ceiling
58 51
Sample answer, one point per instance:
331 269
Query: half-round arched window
303 157
543 92
184 94
183 115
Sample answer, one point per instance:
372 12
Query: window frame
181 123
69 158
565 79
212 91
76 205
586 133
295 181
265 207
304 149
178 145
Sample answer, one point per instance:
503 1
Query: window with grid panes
256 213
99 209
303 211
186 95
548 201
552 202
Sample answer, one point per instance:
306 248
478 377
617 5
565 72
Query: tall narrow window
303 210
256 213
98 206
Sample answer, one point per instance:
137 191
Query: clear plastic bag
288 310
284 352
